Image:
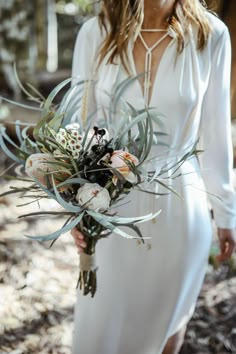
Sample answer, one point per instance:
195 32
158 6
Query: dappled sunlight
37 286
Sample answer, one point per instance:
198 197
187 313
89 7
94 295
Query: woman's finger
77 234
79 239
80 244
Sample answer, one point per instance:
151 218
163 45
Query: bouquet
87 169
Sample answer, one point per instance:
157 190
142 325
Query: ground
37 286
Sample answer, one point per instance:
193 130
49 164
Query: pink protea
38 166
119 161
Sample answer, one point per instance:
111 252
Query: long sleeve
83 67
217 159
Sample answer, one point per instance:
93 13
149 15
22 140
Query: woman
146 296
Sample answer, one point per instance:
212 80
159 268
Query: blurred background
37 284
33 33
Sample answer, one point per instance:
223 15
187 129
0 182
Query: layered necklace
148 59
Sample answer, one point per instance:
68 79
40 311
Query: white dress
145 294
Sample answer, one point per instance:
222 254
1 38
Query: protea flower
39 166
120 161
93 196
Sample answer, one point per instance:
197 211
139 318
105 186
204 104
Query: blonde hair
122 18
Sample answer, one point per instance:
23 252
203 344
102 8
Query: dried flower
93 196
96 136
121 161
39 166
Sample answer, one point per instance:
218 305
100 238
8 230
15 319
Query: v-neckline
134 70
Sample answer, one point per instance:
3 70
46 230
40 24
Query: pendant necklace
148 59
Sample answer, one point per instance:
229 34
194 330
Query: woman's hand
227 244
79 239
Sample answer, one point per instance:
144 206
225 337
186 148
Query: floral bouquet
86 170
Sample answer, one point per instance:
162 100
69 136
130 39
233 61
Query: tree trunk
41 32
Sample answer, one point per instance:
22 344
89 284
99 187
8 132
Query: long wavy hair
122 18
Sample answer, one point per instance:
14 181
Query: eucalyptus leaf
150 192
4 171
7 138
55 239
8 152
71 181
168 188
44 189
15 178
23 89
44 213
59 232
56 122
120 89
15 103
53 94
72 97
132 227
18 131
67 206
36 91
11 192
108 225
41 124
123 220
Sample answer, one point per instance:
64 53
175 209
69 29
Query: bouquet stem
87 281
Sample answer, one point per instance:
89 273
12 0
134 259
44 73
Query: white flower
72 142
78 147
75 150
70 139
61 138
75 154
73 126
93 196
61 132
62 141
75 134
